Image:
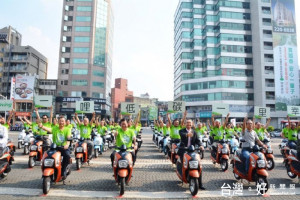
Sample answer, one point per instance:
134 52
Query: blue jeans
246 156
292 144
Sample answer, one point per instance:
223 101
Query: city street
153 177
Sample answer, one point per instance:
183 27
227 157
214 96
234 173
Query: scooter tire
272 164
96 153
193 186
224 165
202 155
31 162
19 145
122 186
289 172
78 163
46 184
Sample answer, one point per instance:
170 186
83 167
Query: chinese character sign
261 112
293 111
285 54
220 109
85 107
176 106
153 112
130 108
43 101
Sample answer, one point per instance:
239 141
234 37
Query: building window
80 71
65 71
67 39
84 8
82 29
67 28
98 84
79 82
65 60
69 8
82 39
66 49
83 19
78 94
98 73
80 60
68 18
64 82
81 50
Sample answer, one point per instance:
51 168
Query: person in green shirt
175 127
284 132
69 125
238 129
46 123
55 123
261 130
85 129
217 133
124 136
201 130
292 134
101 128
7 123
27 126
61 135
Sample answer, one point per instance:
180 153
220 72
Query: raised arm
37 114
253 125
27 121
183 119
49 130
97 121
226 120
244 124
77 119
289 122
51 114
169 119
268 123
11 113
213 119
93 119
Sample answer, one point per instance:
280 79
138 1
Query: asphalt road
153 177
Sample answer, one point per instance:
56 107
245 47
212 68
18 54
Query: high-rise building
85 58
224 54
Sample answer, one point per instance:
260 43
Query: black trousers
66 159
90 146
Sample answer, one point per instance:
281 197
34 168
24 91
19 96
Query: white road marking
130 194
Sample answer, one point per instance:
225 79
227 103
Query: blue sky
143 38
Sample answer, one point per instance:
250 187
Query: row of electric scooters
6 158
290 159
262 159
34 146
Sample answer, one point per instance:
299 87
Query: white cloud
34 36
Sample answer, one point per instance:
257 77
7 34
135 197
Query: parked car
276 133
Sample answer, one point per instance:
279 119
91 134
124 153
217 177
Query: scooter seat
293 152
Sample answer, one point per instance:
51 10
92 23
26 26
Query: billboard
6 105
24 87
285 54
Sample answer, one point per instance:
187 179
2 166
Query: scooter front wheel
31 162
224 165
122 186
194 186
78 163
202 154
46 184
262 185
289 172
270 163
96 153
26 150
19 145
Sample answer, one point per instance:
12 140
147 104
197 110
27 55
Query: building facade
16 59
85 58
120 93
224 54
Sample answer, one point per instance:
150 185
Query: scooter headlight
48 162
123 163
194 164
33 148
224 151
79 149
270 151
261 164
